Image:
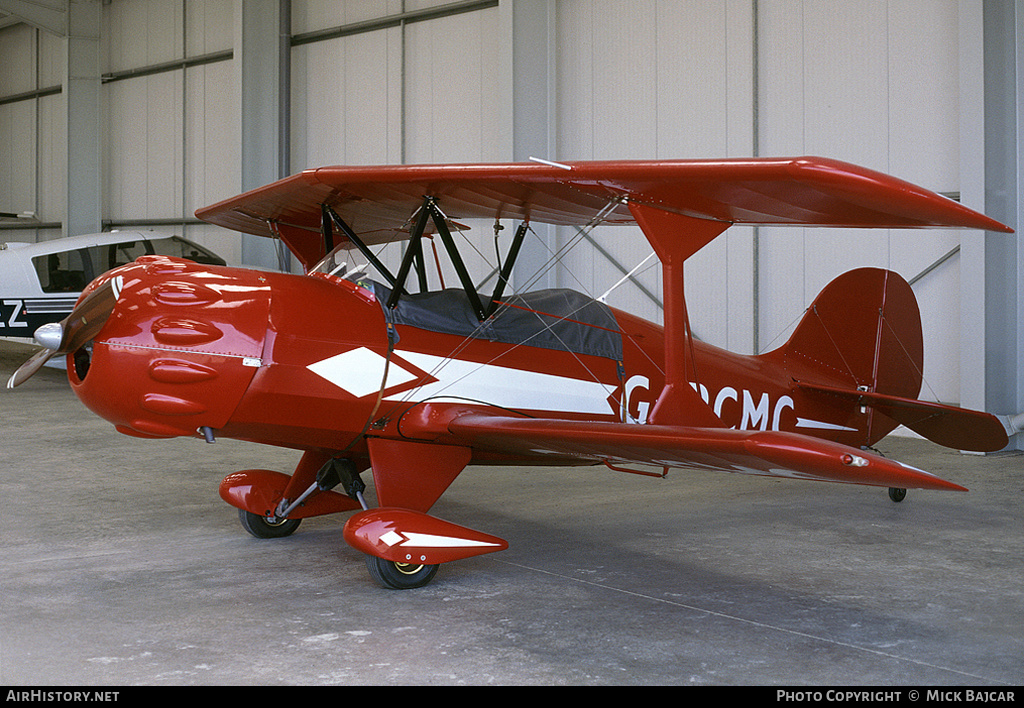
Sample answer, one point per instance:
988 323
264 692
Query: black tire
262 527
400 576
897 494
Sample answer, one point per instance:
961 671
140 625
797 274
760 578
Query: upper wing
377 202
751 452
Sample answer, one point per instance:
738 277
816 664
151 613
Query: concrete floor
121 566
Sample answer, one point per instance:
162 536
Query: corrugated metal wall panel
451 83
52 158
17 156
347 100
669 80
142 33
208 25
874 83
18 70
144 148
313 15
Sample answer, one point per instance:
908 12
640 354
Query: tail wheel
264 527
400 576
897 494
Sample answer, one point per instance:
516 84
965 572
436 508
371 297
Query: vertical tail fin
861 334
864 329
859 348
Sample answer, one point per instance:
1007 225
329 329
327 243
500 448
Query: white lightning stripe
507 387
819 425
426 540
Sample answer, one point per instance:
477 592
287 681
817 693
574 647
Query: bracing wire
554 259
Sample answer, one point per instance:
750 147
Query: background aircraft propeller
74 331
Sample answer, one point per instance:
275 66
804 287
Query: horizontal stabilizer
957 428
768 453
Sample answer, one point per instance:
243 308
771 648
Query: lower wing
751 452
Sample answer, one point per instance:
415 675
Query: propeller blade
88 318
74 331
34 364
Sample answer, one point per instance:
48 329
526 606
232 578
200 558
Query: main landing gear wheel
263 527
897 494
400 576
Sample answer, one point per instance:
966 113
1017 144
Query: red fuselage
307 362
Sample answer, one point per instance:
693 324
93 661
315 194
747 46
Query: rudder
862 333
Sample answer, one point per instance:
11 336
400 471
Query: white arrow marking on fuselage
426 540
360 371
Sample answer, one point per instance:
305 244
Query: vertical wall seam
755 80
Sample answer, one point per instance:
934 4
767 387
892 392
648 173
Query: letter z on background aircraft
362 374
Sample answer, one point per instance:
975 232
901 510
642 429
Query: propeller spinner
74 331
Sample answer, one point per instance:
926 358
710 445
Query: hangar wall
895 85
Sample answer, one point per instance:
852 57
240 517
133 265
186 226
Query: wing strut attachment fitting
506 268
676 237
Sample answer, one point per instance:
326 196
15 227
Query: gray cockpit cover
560 319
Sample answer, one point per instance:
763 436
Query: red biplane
364 373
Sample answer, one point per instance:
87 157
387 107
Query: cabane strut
413 258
